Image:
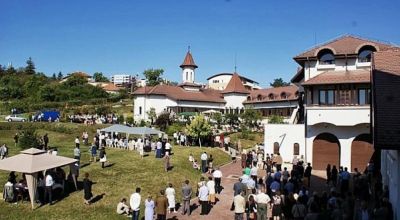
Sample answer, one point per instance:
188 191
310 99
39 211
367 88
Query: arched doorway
361 152
326 150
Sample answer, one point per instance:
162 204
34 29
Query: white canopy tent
32 161
131 130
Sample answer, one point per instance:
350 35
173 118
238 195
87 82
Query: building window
364 55
276 148
296 149
187 76
283 95
326 57
326 97
271 96
140 110
259 97
215 81
364 96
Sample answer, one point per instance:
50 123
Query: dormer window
259 97
364 54
326 57
248 98
271 96
283 95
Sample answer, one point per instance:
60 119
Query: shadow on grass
109 165
97 198
84 165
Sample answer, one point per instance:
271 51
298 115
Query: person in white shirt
262 200
123 208
253 172
240 205
77 142
217 174
135 204
170 194
49 182
204 158
141 149
168 148
211 190
203 198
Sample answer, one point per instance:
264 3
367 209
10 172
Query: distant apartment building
121 79
220 81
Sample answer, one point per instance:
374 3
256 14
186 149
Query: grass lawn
248 143
120 180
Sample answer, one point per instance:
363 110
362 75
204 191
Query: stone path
221 210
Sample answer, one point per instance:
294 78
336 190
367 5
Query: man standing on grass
77 153
46 141
135 204
186 196
204 158
16 137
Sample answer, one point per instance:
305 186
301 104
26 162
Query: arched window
276 148
271 96
283 95
248 98
364 54
296 94
140 110
259 97
296 149
326 57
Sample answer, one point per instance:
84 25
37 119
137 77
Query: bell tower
188 66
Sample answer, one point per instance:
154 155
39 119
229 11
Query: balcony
338 115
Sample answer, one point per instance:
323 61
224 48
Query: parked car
11 118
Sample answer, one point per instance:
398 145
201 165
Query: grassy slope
246 143
120 180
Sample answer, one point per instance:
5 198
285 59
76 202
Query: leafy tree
218 118
99 77
60 76
163 120
152 114
75 80
28 138
276 119
279 83
250 117
153 76
30 67
199 128
231 119
2 71
32 84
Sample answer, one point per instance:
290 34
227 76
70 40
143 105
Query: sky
128 37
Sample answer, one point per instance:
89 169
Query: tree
250 117
153 76
2 71
279 83
217 117
11 70
59 76
276 119
231 119
163 120
99 77
199 128
152 114
30 67
28 138
54 77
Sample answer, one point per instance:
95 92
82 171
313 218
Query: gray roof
131 130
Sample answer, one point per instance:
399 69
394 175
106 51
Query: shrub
175 127
28 138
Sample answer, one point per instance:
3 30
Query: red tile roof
189 84
188 61
110 87
283 93
387 61
344 45
178 93
338 77
235 85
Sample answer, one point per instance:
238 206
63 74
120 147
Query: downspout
305 116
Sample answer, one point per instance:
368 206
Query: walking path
221 210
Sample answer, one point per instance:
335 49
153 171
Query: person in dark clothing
87 189
46 141
334 175
328 174
102 156
307 174
12 178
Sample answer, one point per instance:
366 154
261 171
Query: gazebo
32 161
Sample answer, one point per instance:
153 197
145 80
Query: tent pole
31 180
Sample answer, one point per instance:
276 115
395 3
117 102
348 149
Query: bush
276 119
130 120
28 138
246 134
175 127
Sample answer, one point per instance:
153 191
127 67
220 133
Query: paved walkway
221 210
